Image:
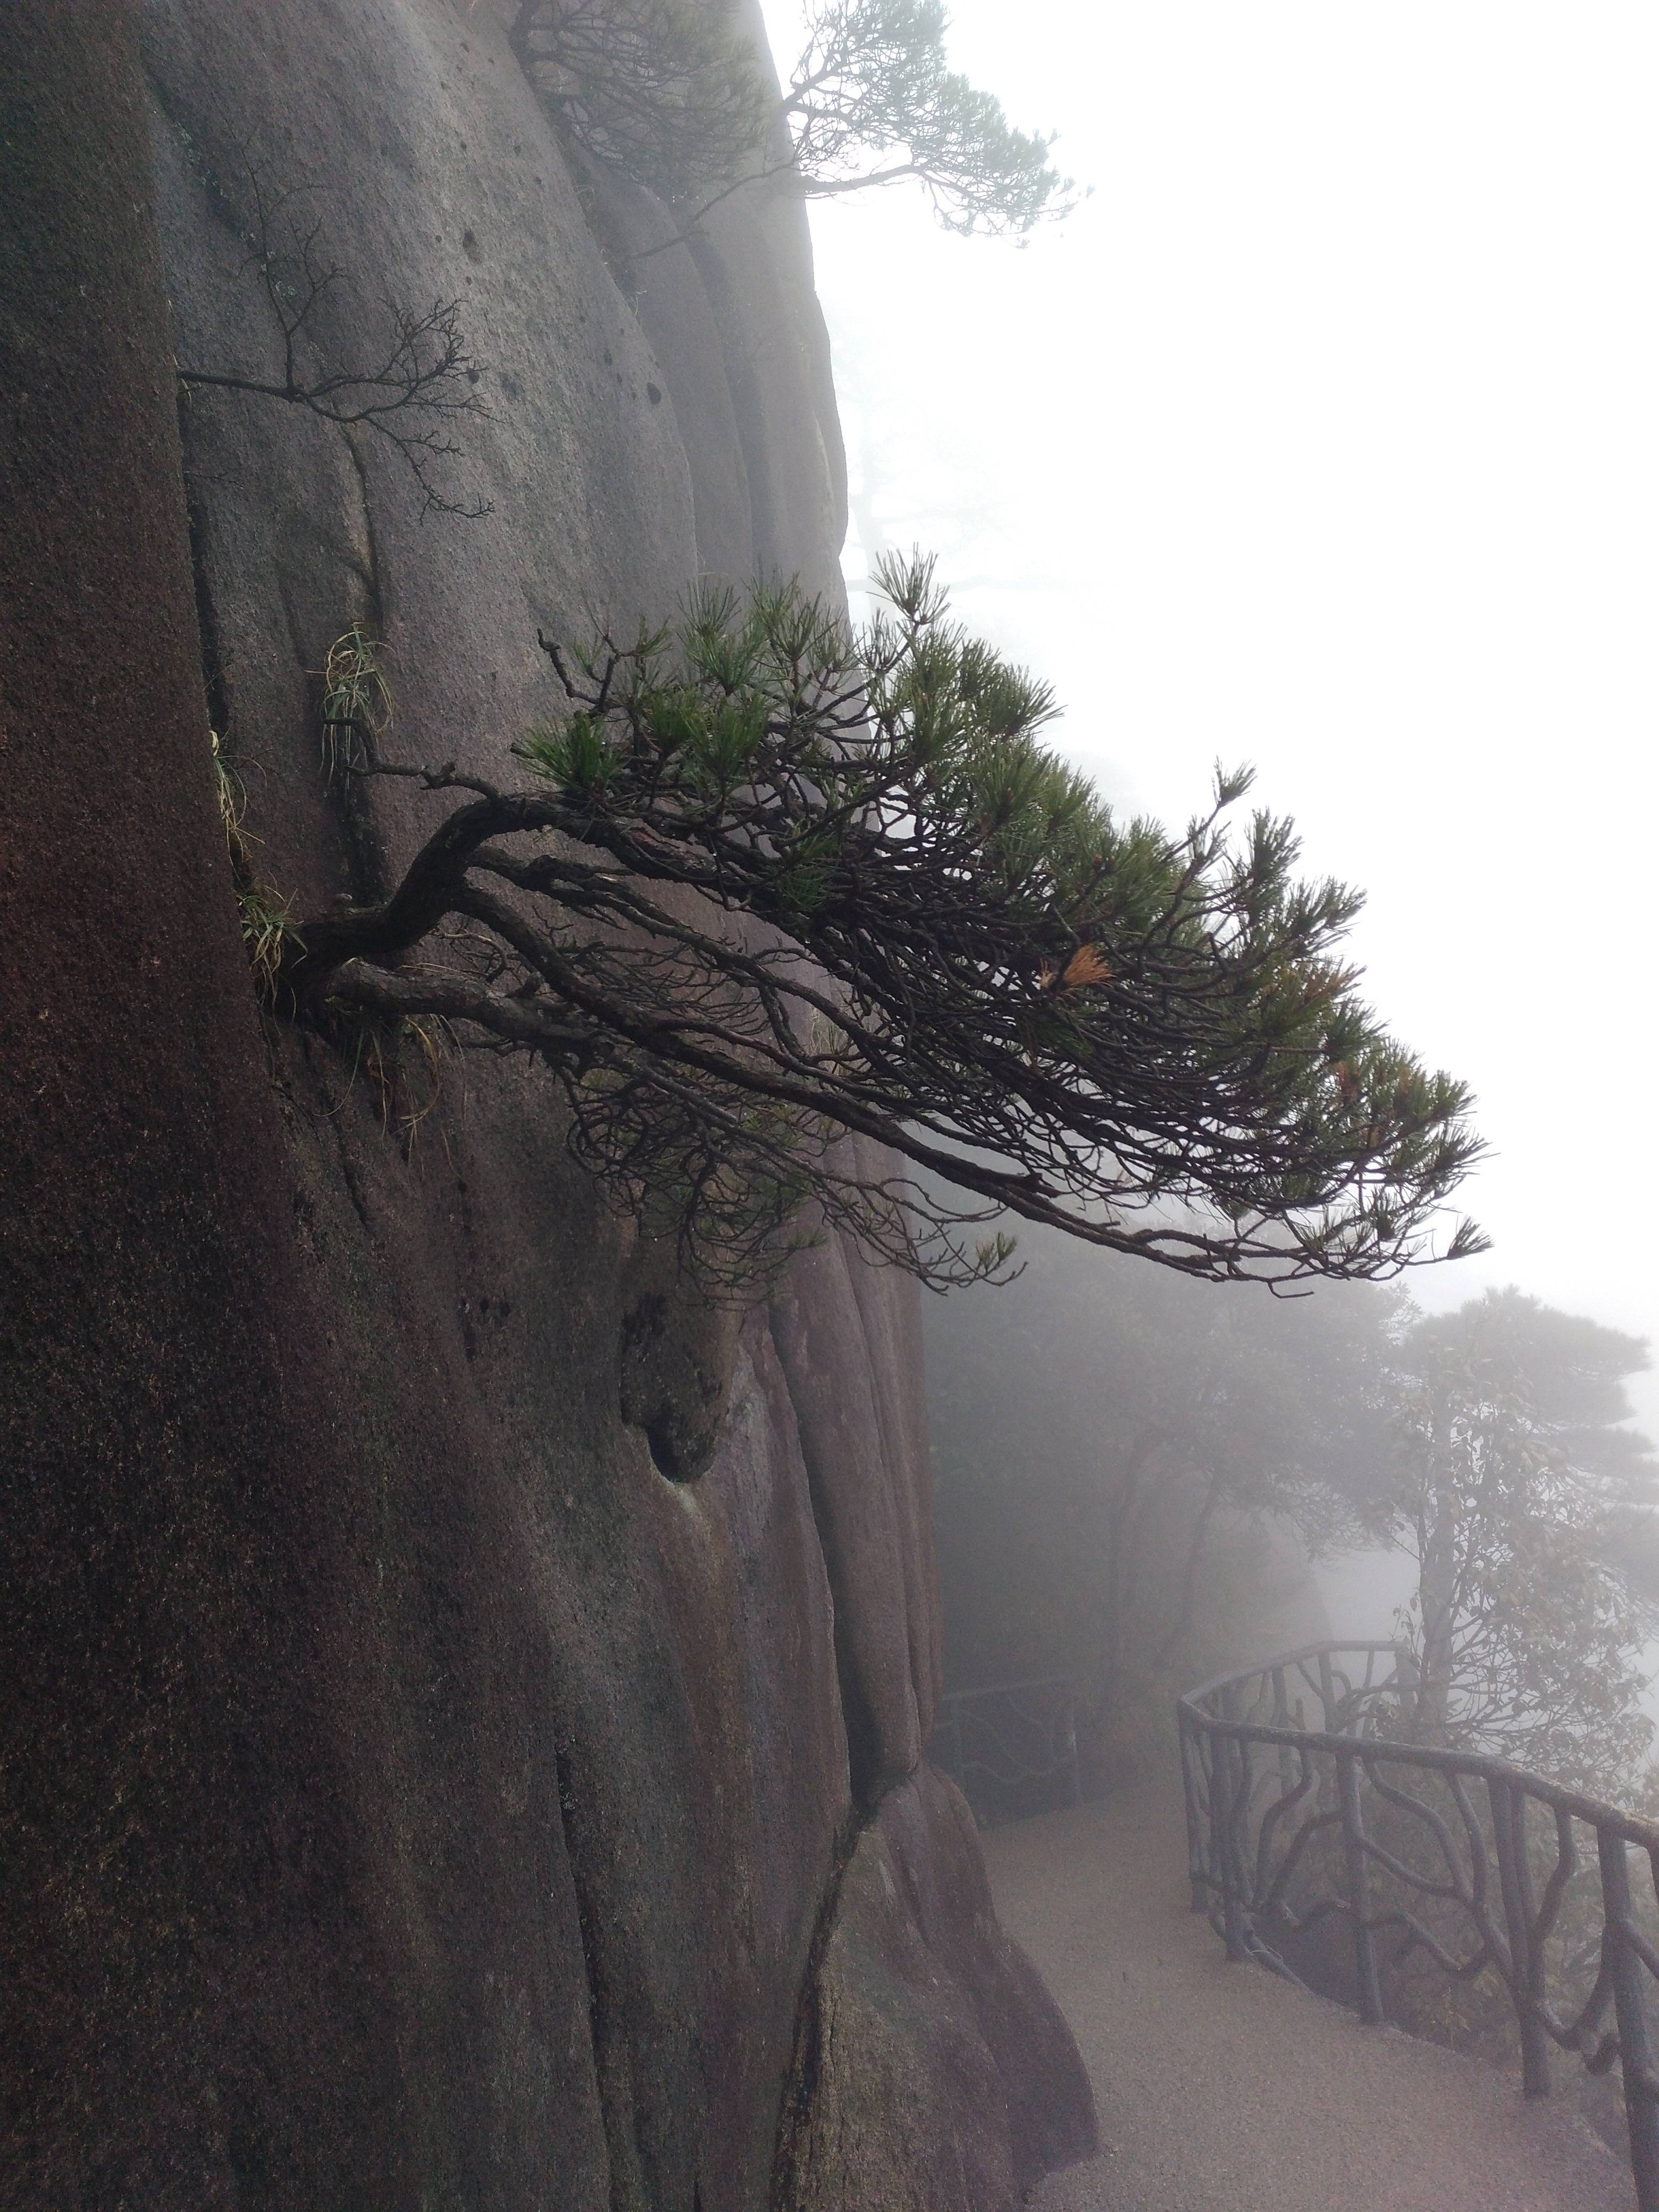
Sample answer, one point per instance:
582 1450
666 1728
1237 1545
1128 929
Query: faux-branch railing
1302 1807
1010 1747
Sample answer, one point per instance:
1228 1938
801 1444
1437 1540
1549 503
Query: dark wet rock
675 1357
934 2072
871 1496
411 1794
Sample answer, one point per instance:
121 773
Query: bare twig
411 390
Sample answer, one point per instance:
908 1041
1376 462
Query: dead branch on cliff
412 388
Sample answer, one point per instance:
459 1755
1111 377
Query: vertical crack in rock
623 2161
367 857
215 683
748 405
806 2052
564 1789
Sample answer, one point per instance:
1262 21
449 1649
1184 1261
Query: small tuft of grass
266 918
436 1041
404 1059
232 795
356 710
267 930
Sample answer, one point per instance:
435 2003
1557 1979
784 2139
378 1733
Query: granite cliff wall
417 1792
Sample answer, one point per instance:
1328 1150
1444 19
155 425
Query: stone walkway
1221 2089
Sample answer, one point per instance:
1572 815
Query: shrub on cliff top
668 91
768 887
871 101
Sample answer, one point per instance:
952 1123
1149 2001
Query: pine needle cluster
768 889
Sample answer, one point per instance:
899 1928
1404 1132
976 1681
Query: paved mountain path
1222 2089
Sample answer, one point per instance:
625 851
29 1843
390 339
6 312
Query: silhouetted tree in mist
765 885
1523 1503
670 93
1115 1451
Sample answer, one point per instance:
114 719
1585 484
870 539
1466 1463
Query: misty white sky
1325 435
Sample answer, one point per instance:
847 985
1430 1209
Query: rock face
465 1699
940 2075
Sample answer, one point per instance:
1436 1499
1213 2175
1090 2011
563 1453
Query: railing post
1326 1695
1227 1762
1509 1824
1238 1834
1222 1856
1364 1943
1282 1720
1218 1869
1191 1769
1626 1972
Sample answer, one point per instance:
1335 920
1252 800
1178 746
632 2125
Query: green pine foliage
910 920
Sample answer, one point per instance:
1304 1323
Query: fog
1323 435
